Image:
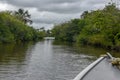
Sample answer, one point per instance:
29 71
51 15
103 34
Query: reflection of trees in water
88 50
14 59
14 52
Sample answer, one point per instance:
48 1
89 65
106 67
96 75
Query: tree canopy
13 29
23 15
99 28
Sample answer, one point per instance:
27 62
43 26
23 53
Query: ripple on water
41 61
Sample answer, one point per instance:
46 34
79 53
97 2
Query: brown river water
44 60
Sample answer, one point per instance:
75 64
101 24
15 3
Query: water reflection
44 60
13 59
88 50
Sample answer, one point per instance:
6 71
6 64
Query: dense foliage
23 15
99 28
68 31
12 29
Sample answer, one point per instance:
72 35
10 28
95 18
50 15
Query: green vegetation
14 27
23 15
99 28
68 31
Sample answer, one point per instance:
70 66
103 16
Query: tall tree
23 15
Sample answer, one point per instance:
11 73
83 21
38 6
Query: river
44 60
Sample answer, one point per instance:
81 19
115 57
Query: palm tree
23 15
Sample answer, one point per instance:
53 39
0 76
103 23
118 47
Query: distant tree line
14 27
99 28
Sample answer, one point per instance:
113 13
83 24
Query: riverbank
14 27
92 50
99 28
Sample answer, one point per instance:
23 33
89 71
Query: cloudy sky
46 13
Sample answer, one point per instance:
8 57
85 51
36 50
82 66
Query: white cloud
3 6
40 25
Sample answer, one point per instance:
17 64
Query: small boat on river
101 69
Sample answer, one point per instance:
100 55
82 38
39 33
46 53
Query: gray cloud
49 12
45 25
58 6
49 17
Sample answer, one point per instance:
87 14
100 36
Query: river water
44 60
